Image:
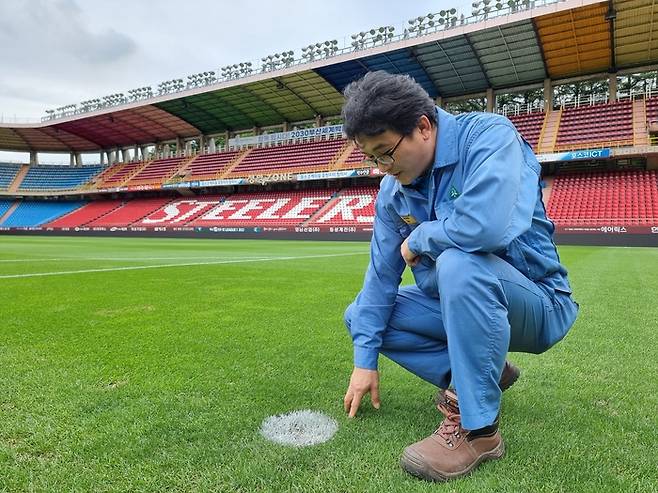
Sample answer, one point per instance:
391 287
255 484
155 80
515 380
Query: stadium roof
556 41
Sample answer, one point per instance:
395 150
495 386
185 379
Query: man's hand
361 382
410 258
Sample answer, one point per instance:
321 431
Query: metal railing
444 20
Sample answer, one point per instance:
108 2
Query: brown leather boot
508 376
451 452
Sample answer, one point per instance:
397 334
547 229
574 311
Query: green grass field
149 365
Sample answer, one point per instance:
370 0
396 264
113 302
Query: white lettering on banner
252 205
272 177
305 203
174 212
276 207
228 205
345 209
281 136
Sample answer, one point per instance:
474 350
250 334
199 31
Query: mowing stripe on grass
186 264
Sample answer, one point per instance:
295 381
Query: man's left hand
410 258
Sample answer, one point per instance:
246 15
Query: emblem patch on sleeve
410 220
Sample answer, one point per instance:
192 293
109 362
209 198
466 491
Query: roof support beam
160 124
477 56
251 121
301 98
541 47
263 102
188 104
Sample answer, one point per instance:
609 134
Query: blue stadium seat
4 205
7 174
57 177
35 213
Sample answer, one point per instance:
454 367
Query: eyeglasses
385 159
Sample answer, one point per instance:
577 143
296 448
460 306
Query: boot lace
450 429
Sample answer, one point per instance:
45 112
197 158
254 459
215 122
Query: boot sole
416 467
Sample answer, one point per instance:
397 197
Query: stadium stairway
120 175
7 207
206 166
549 131
343 155
107 173
640 129
346 208
234 164
18 179
354 159
158 171
322 210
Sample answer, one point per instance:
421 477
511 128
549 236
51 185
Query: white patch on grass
299 428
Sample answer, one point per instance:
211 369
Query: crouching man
461 206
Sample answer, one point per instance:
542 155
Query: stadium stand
180 212
626 197
7 174
652 110
57 177
85 214
351 207
529 126
117 174
36 213
207 166
4 206
598 125
129 212
265 208
308 156
157 171
355 159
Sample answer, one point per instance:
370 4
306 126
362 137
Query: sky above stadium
57 52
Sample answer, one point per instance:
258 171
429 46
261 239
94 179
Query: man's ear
425 127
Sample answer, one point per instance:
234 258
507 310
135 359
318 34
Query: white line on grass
127 259
187 264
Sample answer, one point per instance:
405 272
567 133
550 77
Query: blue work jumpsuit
489 280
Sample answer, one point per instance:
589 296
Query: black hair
380 101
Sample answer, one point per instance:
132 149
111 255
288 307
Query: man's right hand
362 382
